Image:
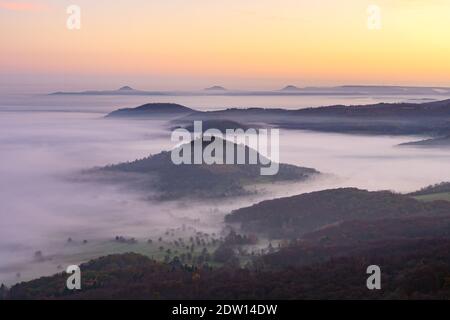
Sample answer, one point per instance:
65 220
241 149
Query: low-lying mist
368 162
41 205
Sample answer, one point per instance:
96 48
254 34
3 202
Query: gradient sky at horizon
190 44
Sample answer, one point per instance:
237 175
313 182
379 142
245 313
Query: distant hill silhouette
426 109
126 88
290 88
431 118
152 110
216 88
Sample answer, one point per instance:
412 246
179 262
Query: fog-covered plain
42 149
43 203
108 103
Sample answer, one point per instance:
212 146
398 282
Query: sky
191 44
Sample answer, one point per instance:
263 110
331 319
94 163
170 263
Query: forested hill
408 239
156 110
158 174
294 216
443 187
419 270
426 109
430 118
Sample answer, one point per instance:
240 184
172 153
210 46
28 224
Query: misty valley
96 186
211 159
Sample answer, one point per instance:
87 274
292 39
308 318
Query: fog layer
41 205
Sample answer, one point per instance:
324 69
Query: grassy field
157 250
434 196
187 246
160 250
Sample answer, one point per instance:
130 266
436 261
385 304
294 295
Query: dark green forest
417 270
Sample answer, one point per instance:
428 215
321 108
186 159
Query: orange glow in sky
252 43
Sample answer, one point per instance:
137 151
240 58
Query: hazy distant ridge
429 118
287 90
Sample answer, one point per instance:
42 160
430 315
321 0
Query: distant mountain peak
126 88
152 109
290 88
216 88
